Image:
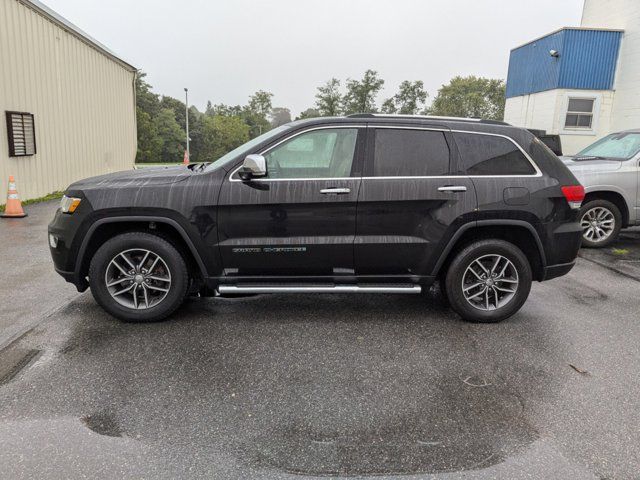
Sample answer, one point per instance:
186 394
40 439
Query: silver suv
609 170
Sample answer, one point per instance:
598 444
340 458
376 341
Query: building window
580 113
22 134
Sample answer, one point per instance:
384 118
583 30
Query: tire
159 292
601 211
516 267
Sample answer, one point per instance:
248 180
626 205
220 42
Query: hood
135 178
591 164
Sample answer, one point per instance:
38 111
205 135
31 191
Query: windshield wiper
590 157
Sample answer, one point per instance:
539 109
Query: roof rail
427 117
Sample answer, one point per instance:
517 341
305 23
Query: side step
230 289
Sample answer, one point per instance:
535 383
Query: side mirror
254 166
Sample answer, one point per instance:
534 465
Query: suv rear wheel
138 277
601 221
488 281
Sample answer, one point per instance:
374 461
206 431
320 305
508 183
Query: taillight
574 195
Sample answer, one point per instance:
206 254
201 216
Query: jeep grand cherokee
364 203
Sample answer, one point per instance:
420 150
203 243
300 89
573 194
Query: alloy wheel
598 224
490 282
138 279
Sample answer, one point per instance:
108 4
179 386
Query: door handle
335 191
453 188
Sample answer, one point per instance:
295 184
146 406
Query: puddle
459 428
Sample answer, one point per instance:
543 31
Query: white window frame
595 119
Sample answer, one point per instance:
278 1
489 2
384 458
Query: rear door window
491 155
410 153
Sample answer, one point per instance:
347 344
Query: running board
226 289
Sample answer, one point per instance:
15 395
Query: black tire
617 218
481 250
139 240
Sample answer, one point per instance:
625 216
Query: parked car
608 169
365 203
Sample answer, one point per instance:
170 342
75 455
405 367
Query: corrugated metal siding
83 102
587 61
532 69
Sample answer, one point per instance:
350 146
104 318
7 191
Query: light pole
186 103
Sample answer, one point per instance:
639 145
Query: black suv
366 203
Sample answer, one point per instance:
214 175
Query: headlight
69 204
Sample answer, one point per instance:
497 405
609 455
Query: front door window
325 153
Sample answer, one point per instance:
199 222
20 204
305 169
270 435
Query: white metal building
67 103
582 83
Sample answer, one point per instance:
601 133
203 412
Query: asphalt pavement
317 386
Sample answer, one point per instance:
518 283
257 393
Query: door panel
291 224
404 224
408 206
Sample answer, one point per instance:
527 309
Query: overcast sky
224 50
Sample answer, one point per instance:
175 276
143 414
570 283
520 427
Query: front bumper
65 229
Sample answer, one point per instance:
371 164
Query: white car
609 170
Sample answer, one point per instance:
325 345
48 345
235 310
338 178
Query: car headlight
69 204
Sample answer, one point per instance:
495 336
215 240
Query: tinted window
491 155
326 153
410 153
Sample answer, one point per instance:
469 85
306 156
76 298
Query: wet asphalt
330 386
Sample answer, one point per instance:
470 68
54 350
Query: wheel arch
520 233
106 228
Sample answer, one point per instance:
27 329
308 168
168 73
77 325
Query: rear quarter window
491 155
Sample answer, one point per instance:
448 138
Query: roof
452 123
65 24
593 29
425 117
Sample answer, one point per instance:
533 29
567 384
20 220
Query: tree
309 113
361 95
146 100
329 99
409 100
149 144
470 97
171 136
280 116
221 135
260 103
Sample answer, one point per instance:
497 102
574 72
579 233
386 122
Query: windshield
621 146
247 147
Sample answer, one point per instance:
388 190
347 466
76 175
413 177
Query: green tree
470 97
221 135
409 100
171 136
329 99
361 95
260 103
309 113
280 116
149 143
146 100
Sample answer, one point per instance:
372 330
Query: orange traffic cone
185 161
14 207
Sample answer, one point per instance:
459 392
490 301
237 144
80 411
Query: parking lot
288 386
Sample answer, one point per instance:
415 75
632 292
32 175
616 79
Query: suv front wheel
488 281
138 277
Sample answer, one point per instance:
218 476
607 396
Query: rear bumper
554 271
